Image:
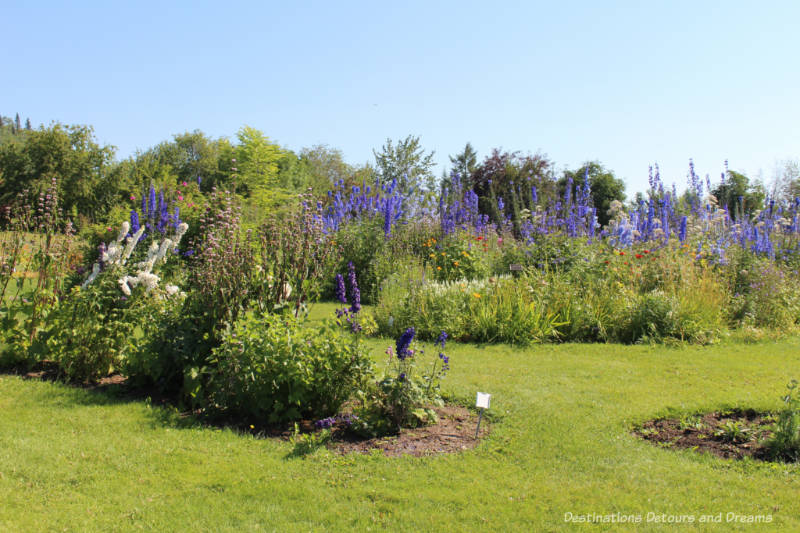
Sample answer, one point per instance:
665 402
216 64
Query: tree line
93 182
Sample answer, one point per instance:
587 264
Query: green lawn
76 460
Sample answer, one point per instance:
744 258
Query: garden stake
478 428
481 402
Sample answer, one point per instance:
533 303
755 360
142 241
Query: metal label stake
482 403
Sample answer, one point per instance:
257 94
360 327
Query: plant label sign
515 267
482 401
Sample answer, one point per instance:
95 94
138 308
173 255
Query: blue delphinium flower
354 292
340 290
134 221
442 339
404 342
682 230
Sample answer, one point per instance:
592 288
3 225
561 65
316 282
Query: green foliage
604 185
90 331
405 394
68 154
307 443
364 245
510 176
295 254
785 442
496 310
257 161
764 294
463 164
734 432
456 257
272 368
408 163
739 196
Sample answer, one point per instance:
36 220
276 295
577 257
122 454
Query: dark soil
454 432
716 433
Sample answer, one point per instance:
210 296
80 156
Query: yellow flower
476 295
252 426
438 268
455 263
433 255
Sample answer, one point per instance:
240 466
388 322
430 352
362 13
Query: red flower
622 253
607 262
639 256
646 251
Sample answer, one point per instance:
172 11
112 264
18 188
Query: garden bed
454 432
732 434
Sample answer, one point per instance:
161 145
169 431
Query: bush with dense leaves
272 368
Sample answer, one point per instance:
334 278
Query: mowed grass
76 460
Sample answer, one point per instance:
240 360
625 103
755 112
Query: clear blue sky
627 83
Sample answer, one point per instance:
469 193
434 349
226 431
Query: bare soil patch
455 432
732 434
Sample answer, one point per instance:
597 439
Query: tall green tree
408 163
326 167
465 163
17 124
68 154
193 155
604 185
739 195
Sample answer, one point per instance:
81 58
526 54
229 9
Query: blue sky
626 83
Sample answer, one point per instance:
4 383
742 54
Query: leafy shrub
785 442
405 394
91 330
457 257
272 368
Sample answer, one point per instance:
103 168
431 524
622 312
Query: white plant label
482 401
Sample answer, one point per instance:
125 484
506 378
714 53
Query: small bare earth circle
732 434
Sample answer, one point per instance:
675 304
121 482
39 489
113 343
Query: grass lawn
76 460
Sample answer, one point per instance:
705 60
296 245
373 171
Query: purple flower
325 423
354 292
340 290
442 339
404 342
